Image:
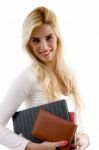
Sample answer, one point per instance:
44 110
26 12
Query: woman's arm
81 138
16 95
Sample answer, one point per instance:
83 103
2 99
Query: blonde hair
47 79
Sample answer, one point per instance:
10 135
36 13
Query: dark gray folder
24 120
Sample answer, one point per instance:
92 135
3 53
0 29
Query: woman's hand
82 142
51 145
45 145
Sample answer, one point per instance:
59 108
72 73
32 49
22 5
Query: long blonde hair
47 79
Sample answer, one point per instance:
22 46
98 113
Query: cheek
54 44
33 48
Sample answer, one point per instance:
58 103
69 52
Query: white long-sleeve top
25 91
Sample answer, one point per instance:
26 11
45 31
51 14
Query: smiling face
43 43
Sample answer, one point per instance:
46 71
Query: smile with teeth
45 53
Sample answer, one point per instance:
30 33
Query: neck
51 67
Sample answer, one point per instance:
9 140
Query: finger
76 144
59 144
79 143
81 148
73 146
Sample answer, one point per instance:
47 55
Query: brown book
49 127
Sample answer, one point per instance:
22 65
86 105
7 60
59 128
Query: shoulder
24 80
27 75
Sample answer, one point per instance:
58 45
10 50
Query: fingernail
65 142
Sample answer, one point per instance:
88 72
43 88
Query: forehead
42 30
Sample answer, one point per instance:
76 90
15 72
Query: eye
35 40
50 37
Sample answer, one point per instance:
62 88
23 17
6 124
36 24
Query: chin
45 60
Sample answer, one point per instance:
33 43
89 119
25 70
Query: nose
43 45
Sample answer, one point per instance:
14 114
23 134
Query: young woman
46 79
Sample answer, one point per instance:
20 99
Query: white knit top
23 93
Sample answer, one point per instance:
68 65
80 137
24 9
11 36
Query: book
52 128
23 121
72 117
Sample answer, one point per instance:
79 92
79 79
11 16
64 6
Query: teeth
45 53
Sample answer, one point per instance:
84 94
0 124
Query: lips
46 53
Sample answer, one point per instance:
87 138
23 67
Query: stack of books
49 122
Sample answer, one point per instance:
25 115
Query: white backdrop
79 23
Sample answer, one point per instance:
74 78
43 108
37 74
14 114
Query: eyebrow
44 36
